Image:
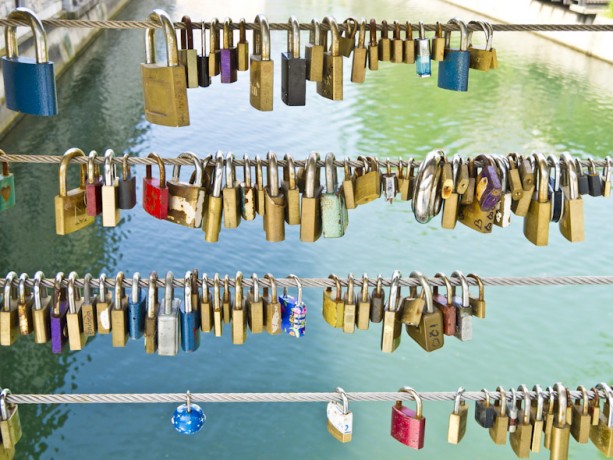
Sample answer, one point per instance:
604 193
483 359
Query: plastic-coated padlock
453 70
137 310
293 312
409 426
190 319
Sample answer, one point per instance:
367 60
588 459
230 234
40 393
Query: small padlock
110 192
484 411
498 430
362 315
119 314
104 303
348 186
231 195
247 192
204 79
214 52
360 53
521 438
137 310
346 42
409 45
314 53
206 306
373 47
412 306
340 418
239 313
503 208
457 419
464 318
188 418
10 423
310 209
408 426
9 319
217 308
164 86
228 58
29 84
392 327
555 192
291 192
262 67
272 308
385 44
93 186
536 419
489 187
151 324
423 61
260 201
453 69
368 185
24 306
606 177
168 320
226 300
581 419
255 307
293 311
377 301
536 222
349 308
190 318
593 179
397 45
389 181
212 216
155 191
438 43
480 59
477 303
333 309
293 68
274 219
186 200
429 333
584 187
188 56
41 315
334 216
331 86
58 316
242 48
127 186
572 225
74 318
445 304
560 431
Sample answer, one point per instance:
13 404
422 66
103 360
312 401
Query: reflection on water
543 97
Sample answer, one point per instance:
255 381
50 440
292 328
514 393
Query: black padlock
593 179
204 79
556 195
293 68
484 411
127 186
584 187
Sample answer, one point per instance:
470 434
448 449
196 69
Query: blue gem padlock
137 310
188 418
29 84
293 312
453 69
7 187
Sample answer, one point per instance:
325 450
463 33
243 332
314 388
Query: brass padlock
186 199
119 314
429 333
226 300
188 56
536 419
602 434
242 48
40 315
212 215
481 59
385 45
438 43
314 54
9 319
331 86
362 316
498 431
581 419
368 185
560 431
521 438
110 191
391 330
409 45
346 42
10 423
231 196
358 65
291 192
397 47
206 306
247 192
24 306
310 211
536 223
151 322
333 309
164 86
239 315
274 219
217 308
262 67
272 307
457 419
215 51
255 307
74 317
349 309
477 303
571 223
373 47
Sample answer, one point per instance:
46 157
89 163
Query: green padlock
334 215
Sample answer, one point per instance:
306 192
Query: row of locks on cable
480 193
69 314
30 84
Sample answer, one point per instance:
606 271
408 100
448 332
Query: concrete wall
63 43
597 44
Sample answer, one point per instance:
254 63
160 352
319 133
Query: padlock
110 192
606 177
70 207
594 407
206 306
88 308
334 216
593 179
406 180
348 185
204 79
481 59
262 67
503 208
385 44
212 215
397 45
484 411
389 183
464 318
314 53
560 431
469 194
408 45
477 303
9 319
346 41
10 423
151 322
514 178
521 438
601 435
24 306
29 84
119 314
536 419
498 430
190 318
555 192
451 197
155 191
408 426
168 320
377 301
58 316
239 313
226 301
572 225
373 46
260 202
164 86
340 418
127 186
7 186
333 309
310 210
391 330
429 333
362 314
358 64
137 310
457 419
331 86
412 306
291 192
272 307
186 200
242 48
214 52
453 69
536 222
293 68
581 419
549 417
368 185
427 200
350 307
93 186
188 56
247 192
274 219
255 307
423 61
521 206
40 315
74 318
228 58
584 187
489 188
217 308
438 43
293 311
445 304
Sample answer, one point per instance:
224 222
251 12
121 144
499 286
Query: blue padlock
453 70
190 319
29 84
188 418
293 312
423 62
137 310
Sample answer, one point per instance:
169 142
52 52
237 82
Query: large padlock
453 70
164 86
155 191
261 73
70 208
427 201
186 200
409 426
334 215
29 84
7 186
331 86
293 68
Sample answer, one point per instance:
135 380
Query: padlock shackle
477 278
247 171
203 38
373 32
350 289
255 288
409 31
216 293
486 31
299 286
110 169
448 289
4 414
40 37
228 37
120 291
205 288
125 168
261 38
339 294
289 172
311 176
540 401
242 31
425 288
161 167
572 179
169 293
562 404
344 399
66 158
273 286
40 291
187 34
218 180
608 401
585 400
331 178
416 398
187 291
524 389
176 169
135 292
379 285
159 16
463 34
422 30
315 32
503 168
9 290
487 397
334 46
226 288
606 170
293 37
362 33
554 163
397 30
364 290
58 292
351 27
73 293
214 35
464 284
273 175
458 400
92 167
152 294
543 177
393 301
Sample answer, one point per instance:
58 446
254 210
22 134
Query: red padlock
445 304
408 426
155 192
93 187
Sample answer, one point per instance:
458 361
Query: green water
543 97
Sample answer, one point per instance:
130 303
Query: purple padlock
59 333
229 59
488 189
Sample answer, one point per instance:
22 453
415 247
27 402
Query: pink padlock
408 426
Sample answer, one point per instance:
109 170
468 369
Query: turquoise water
543 97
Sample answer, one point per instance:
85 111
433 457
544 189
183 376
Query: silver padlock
334 215
502 217
168 320
110 202
464 319
390 183
513 412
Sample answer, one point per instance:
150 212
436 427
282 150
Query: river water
543 97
